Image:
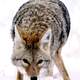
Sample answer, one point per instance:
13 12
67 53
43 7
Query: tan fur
59 63
19 76
31 70
36 48
30 37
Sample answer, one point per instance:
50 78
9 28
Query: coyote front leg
59 63
19 76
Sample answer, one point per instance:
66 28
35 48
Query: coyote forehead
30 36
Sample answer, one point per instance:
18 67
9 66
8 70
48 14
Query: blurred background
70 52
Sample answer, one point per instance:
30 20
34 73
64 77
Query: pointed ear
18 36
45 41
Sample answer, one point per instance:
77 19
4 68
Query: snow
70 52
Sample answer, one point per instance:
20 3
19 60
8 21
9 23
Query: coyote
39 30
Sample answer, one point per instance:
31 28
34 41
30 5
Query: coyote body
39 30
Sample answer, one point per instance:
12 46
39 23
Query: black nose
34 78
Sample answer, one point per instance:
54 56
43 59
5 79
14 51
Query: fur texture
39 30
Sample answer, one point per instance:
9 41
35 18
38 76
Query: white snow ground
70 53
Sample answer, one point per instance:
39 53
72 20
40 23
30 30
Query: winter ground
70 53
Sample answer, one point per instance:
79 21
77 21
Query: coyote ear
17 35
45 41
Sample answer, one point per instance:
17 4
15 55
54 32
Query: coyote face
32 58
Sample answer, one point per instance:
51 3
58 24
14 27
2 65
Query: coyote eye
40 61
26 61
